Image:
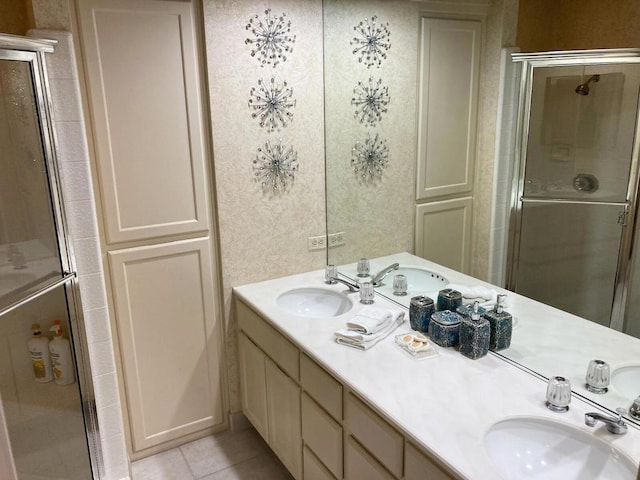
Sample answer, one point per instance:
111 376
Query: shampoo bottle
474 334
61 359
39 352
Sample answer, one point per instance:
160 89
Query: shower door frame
33 51
528 63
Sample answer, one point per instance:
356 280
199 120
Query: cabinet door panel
146 109
443 232
360 465
283 407
313 468
170 339
253 387
450 60
322 434
418 467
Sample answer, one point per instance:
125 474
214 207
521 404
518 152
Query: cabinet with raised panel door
318 427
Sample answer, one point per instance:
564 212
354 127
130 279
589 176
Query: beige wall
264 236
578 24
16 16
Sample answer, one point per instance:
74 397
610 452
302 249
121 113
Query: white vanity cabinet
318 428
269 373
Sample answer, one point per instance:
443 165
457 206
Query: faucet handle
330 274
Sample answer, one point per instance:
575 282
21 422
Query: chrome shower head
583 88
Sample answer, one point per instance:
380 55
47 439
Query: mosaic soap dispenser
501 324
475 333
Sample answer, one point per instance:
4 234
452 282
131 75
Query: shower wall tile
87 255
97 325
72 146
76 181
105 389
81 219
115 457
67 109
93 291
109 420
102 361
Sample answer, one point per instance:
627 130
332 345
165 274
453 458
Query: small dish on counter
417 345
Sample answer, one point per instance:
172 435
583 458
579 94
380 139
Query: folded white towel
370 320
364 341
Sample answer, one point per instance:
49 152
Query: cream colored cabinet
170 340
297 407
269 391
443 232
147 121
450 53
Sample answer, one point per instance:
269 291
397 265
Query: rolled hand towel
475 292
366 341
370 320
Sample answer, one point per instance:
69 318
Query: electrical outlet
317 243
335 239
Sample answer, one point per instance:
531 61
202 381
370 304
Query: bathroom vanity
330 411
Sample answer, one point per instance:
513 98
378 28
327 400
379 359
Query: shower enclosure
574 199
43 424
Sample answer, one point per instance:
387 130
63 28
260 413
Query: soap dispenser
475 333
501 324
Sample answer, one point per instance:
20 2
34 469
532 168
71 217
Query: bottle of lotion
39 352
61 359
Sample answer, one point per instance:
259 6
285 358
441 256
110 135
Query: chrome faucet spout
378 277
614 424
353 287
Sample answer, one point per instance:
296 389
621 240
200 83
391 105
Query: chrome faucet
378 277
614 424
353 287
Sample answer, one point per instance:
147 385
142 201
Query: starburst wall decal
271 103
271 40
369 159
371 101
371 41
275 166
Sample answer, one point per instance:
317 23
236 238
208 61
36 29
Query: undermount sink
536 448
627 381
314 302
419 279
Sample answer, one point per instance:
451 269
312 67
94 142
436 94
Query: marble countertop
445 403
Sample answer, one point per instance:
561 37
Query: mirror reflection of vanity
378 218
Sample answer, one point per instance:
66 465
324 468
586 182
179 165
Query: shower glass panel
29 257
46 419
569 256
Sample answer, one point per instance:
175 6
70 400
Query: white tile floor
241 455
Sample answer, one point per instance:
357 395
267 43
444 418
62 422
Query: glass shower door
41 395
575 188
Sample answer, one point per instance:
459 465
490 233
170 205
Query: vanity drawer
324 389
375 434
279 349
360 465
313 468
418 466
322 435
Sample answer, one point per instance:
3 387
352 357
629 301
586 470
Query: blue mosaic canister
420 310
501 324
449 299
467 308
444 328
475 333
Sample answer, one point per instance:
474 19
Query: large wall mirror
375 212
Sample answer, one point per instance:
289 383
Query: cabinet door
449 73
417 466
145 93
283 414
253 386
359 465
170 340
443 232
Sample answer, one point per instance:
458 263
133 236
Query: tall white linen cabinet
143 67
